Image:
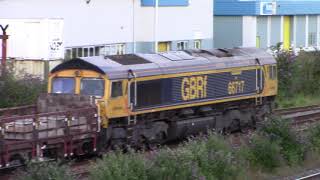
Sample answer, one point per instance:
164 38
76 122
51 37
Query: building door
163 46
286 32
258 42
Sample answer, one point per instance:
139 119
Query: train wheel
16 160
232 121
160 138
87 147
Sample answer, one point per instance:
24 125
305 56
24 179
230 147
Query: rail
311 176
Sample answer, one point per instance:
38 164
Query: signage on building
55 39
268 8
35 39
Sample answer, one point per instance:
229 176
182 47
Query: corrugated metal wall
36 68
262 28
227 31
252 7
301 31
275 30
312 31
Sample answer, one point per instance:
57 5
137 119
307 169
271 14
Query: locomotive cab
75 77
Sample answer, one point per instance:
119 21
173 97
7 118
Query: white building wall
107 22
176 23
100 21
249 31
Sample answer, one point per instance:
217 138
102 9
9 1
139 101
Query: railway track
286 111
313 176
300 115
81 169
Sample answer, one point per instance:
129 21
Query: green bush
307 73
285 62
46 171
22 91
214 158
116 165
263 153
314 139
292 150
298 77
203 158
172 164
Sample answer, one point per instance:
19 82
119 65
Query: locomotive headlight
77 73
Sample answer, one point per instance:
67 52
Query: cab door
117 101
271 81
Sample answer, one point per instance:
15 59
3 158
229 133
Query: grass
272 152
297 101
202 158
46 171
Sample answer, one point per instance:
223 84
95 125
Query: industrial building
48 30
264 23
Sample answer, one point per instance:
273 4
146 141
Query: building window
164 46
85 52
79 54
112 49
88 51
97 51
74 53
120 49
197 44
91 51
182 45
68 54
312 39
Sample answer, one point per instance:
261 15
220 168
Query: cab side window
116 90
273 72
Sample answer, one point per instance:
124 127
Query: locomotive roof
118 66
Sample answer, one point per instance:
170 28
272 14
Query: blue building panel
165 2
233 7
266 7
298 7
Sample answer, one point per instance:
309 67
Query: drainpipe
156 14
4 38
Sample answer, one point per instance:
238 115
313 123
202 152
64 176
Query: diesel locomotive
97 103
155 98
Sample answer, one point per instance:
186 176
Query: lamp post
133 27
156 14
4 38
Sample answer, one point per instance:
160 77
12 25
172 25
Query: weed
278 130
47 171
